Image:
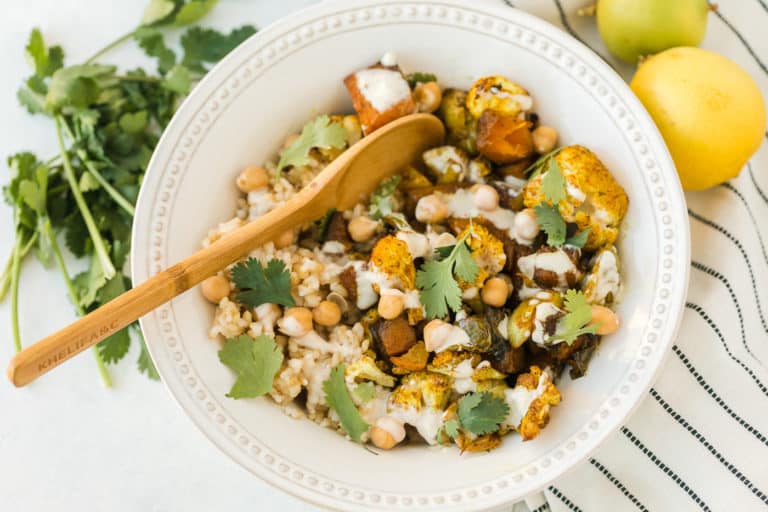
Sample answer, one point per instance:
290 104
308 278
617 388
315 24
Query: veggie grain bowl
444 307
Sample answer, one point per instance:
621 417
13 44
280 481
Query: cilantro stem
111 46
109 189
93 231
5 279
15 270
107 380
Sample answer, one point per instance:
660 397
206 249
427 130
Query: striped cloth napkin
699 438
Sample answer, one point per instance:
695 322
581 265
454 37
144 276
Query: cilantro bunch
107 123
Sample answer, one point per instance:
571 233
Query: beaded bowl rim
253 58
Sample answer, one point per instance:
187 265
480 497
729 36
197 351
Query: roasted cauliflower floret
530 401
422 389
603 282
594 199
365 369
523 321
487 251
445 362
446 164
391 257
498 94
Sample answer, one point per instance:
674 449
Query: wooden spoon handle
53 350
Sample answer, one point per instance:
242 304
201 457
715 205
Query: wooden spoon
344 183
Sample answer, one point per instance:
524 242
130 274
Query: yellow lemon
708 109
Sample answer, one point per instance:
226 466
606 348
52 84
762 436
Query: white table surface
66 442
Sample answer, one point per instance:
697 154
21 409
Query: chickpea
526 227
252 178
391 304
296 322
327 313
607 321
486 198
215 288
495 292
387 432
544 139
362 229
431 209
285 239
435 334
427 96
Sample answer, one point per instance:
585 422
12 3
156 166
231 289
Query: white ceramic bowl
291 71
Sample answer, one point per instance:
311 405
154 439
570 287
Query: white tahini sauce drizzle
520 398
543 311
462 204
426 420
607 277
462 377
557 262
383 88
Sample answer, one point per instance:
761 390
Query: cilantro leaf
577 319
365 392
438 288
260 285
337 397
321 132
552 223
553 183
76 86
537 167
579 239
419 77
151 41
204 45
115 347
144 362
451 428
482 413
382 198
178 80
256 362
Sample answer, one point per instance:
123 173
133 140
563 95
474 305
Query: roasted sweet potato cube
503 139
379 94
394 337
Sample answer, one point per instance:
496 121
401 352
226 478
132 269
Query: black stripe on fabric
720 277
740 247
615 481
754 181
568 28
568 503
659 464
763 4
736 191
706 444
508 2
719 334
711 392
542 508
743 40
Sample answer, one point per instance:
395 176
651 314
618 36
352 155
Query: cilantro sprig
479 413
322 133
382 199
577 319
256 362
106 124
338 398
553 187
261 285
435 279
